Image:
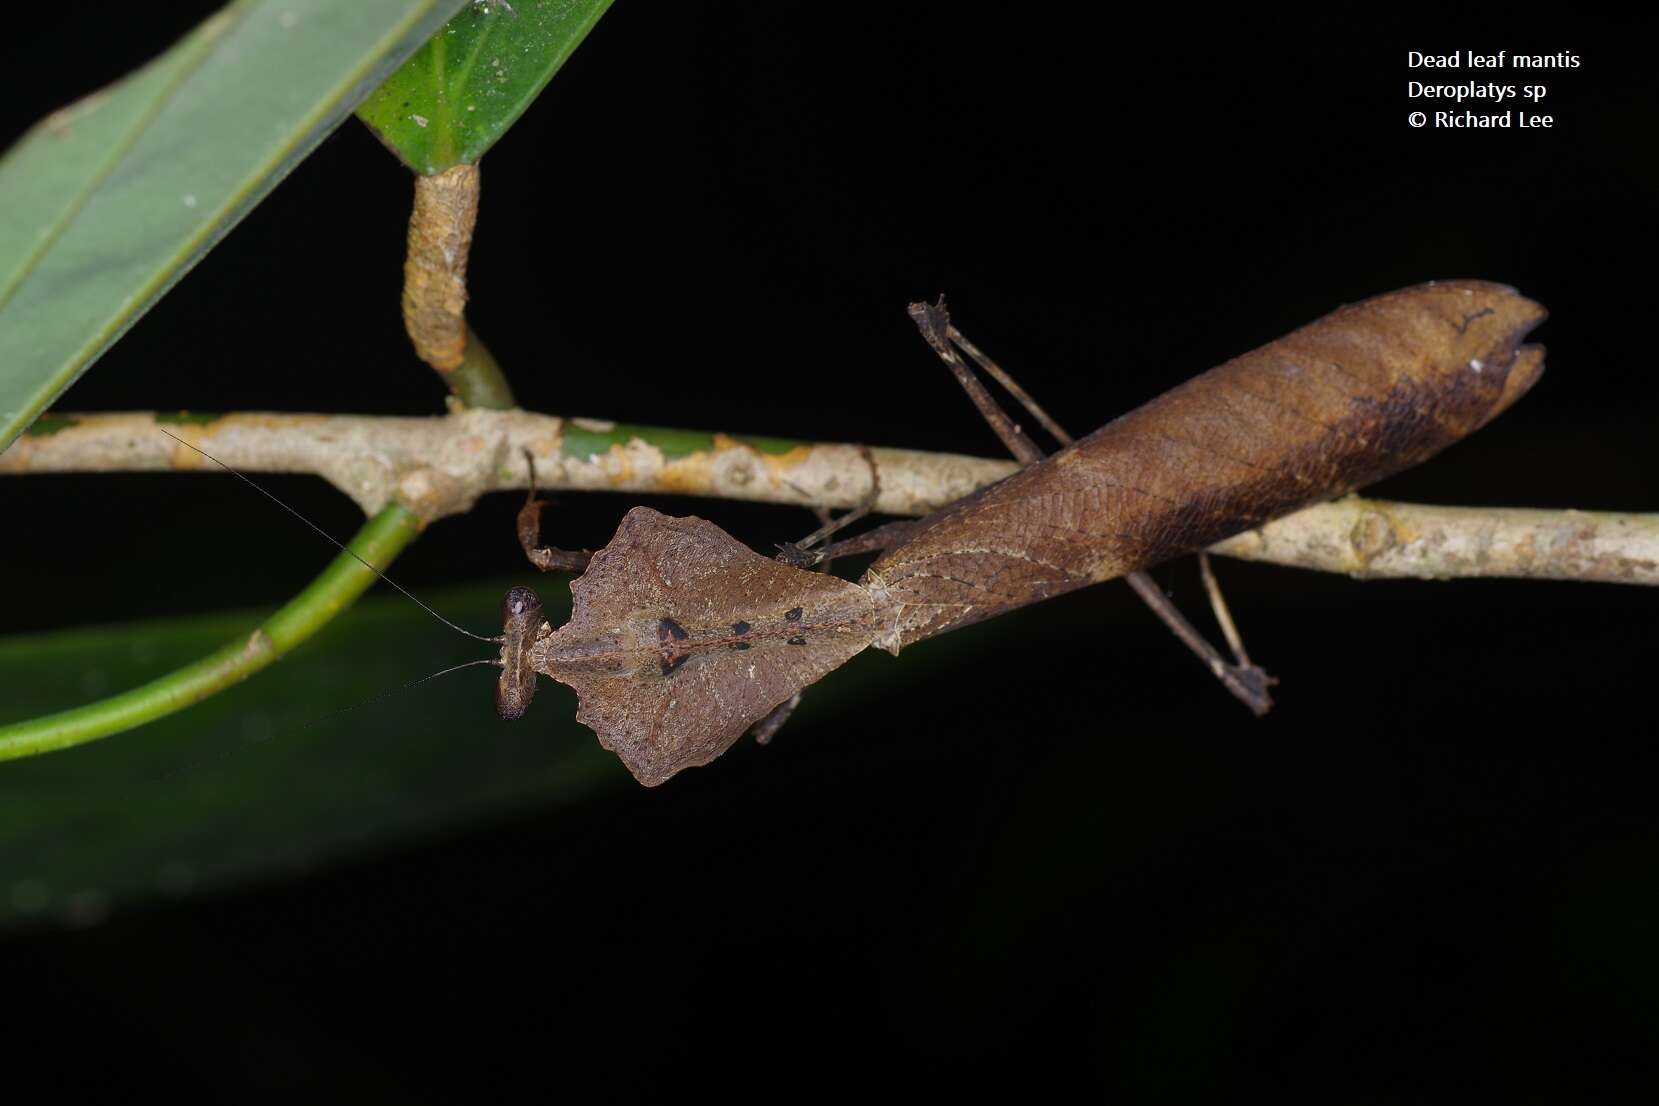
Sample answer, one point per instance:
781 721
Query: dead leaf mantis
681 639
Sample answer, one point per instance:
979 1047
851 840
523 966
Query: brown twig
443 463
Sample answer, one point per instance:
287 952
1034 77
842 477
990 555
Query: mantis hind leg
1246 681
934 322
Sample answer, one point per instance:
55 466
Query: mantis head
521 620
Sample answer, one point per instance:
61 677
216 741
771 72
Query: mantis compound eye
520 619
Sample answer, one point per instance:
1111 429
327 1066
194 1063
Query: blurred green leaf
322 757
463 89
268 778
110 201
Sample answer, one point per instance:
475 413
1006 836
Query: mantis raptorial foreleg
544 557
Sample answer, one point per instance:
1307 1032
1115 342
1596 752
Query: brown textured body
681 638
1362 393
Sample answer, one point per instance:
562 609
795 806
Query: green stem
478 381
379 542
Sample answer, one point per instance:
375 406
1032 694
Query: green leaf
110 201
268 778
464 88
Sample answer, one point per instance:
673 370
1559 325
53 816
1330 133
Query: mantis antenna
334 541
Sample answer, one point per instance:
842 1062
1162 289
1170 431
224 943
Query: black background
1069 859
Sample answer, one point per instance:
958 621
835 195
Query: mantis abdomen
1372 388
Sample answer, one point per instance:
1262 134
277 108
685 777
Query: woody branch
439 466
